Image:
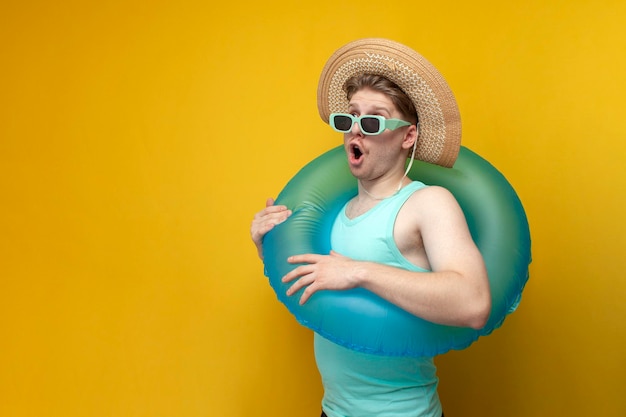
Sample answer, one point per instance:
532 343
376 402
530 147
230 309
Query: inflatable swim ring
361 320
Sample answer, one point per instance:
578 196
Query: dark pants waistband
324 414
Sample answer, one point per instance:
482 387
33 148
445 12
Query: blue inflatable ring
359 319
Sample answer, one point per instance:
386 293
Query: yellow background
138 138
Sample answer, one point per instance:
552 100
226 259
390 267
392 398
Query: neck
382 195
400 185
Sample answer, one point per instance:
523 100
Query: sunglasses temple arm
393 124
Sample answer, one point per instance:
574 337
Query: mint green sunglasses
369 124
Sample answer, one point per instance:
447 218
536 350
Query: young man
404 241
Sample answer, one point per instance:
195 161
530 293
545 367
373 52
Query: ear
410 137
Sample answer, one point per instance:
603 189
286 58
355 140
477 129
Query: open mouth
357 152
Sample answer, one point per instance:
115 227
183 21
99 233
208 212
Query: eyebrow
378 109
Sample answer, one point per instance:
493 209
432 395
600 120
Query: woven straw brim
439 119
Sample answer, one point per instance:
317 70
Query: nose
356 129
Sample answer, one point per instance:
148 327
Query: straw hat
439 119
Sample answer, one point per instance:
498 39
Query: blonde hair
379 83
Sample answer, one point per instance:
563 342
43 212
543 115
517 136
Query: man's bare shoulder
433 197
433 207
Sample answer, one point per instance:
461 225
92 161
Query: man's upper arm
445 234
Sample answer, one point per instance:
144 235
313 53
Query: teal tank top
358 384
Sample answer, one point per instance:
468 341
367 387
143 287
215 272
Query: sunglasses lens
370 124
342 123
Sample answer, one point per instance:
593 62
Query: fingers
266 219
272 210
304 276
314 272
303 273
261 230
306 258
297 272
307 293
305 279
